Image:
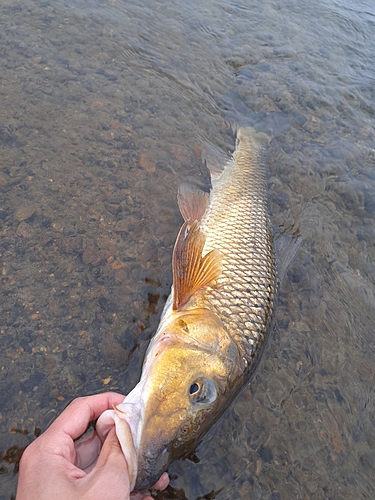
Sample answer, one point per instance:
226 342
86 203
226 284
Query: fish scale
237 224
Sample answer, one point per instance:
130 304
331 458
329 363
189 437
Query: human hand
53 467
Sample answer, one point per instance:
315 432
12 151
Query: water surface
106 106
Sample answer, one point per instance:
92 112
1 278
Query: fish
215 323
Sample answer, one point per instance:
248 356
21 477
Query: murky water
105 108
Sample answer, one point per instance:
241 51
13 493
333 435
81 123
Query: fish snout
145 455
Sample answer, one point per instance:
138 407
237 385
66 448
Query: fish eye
202 391
194 388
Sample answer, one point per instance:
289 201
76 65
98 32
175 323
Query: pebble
24 213
365 372
279 220
117 264
91 256
53 394
147 164
337 442
121 226
180 153
13 425
56 226
24 230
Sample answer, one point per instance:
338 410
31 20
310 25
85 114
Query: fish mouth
125 434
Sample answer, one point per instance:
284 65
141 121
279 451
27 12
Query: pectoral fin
191 271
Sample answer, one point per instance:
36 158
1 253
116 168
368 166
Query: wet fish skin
238 224
215 323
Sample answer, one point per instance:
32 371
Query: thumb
109 478
111 454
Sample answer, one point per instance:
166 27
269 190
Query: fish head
189 372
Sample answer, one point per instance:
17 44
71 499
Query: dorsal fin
192 202
191 271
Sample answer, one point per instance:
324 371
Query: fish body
215 322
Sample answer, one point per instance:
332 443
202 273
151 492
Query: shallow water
105 108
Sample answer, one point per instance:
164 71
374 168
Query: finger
140 496
74 420
111 455
162 483
109 478
87 450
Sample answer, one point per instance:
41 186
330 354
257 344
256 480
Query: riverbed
106 107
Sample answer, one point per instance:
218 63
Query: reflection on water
105 108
